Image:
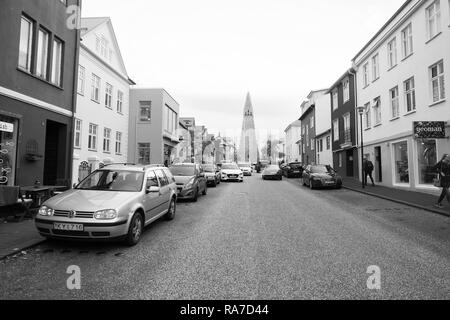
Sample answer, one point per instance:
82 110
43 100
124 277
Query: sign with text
6 127
429 130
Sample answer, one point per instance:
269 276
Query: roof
407 2
296 123
348 72
89 24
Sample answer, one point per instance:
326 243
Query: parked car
231 172
292 170
246 168
190 179
321 176
272 172
115 202
212 173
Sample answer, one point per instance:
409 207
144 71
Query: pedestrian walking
443 169
368 171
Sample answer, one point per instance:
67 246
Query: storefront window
427 154
401 162
8 150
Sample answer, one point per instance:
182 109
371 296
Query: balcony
347 139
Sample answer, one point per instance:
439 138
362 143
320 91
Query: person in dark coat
443 169
368 171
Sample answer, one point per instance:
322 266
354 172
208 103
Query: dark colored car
272 172
321 176
190 179
292 170
212 173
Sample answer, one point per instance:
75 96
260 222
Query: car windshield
183 171
321 169
230 167
244 165
209 168
111 180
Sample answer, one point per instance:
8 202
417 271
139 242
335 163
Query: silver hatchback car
113 203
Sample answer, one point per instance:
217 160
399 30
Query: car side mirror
153 190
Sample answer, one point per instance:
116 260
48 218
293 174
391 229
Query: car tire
170 215
280 178
135 230
195 198
214 184
311 186
205 191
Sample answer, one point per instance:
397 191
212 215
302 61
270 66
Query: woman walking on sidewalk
443 168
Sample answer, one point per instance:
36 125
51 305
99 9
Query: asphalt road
254 240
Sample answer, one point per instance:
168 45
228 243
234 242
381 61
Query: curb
27 247
400 201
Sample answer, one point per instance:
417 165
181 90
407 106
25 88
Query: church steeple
248 148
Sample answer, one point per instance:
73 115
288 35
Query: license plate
68 227
330 182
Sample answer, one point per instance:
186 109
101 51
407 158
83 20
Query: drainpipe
353 71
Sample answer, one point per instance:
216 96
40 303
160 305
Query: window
392 53
321 145
162 178
427 152
393 94
347 128
107 140
313 144
366 74
328 143
108 95
42 54
433 19
152 180
118 143
340 160
95 88
145 111
367 116
336 129
346 90
119 101
377 110
401 162
57 62
144 153
26 43
93 132
103 47
410 95
375 67
335 100
171 120
78 137
407 41
437 82
311 125
81 79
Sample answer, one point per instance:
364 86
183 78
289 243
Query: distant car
246 168
321 176
190 179
272 172
115 202
231 172
292 170
212 174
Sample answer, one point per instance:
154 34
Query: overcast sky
207 54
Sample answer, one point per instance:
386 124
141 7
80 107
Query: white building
323 128
101 119
402 80
293 137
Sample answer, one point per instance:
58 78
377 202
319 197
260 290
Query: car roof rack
119 164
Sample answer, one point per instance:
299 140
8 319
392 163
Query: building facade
102 115
324 154
39 61
293 135
153 128
402 81
183 152
344 132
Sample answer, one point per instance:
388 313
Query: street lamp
361 110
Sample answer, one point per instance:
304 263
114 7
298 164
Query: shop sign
6 127
429 130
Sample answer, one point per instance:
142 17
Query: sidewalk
411 198
17 236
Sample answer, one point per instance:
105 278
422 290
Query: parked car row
118 201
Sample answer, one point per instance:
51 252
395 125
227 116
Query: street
253 240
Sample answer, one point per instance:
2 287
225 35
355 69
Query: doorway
55 153
350 163
378 165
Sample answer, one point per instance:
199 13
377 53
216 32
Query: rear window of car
295 165
182 171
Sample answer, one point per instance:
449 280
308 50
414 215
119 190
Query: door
378 166
55 152
152 201
350 163
201 178
165 191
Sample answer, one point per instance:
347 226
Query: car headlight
190 184
46 211
105 214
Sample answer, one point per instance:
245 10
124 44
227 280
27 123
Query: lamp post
361 110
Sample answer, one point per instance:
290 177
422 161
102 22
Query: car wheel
170 215
195 199
205 191
280 178
214 184
311 186
135 230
